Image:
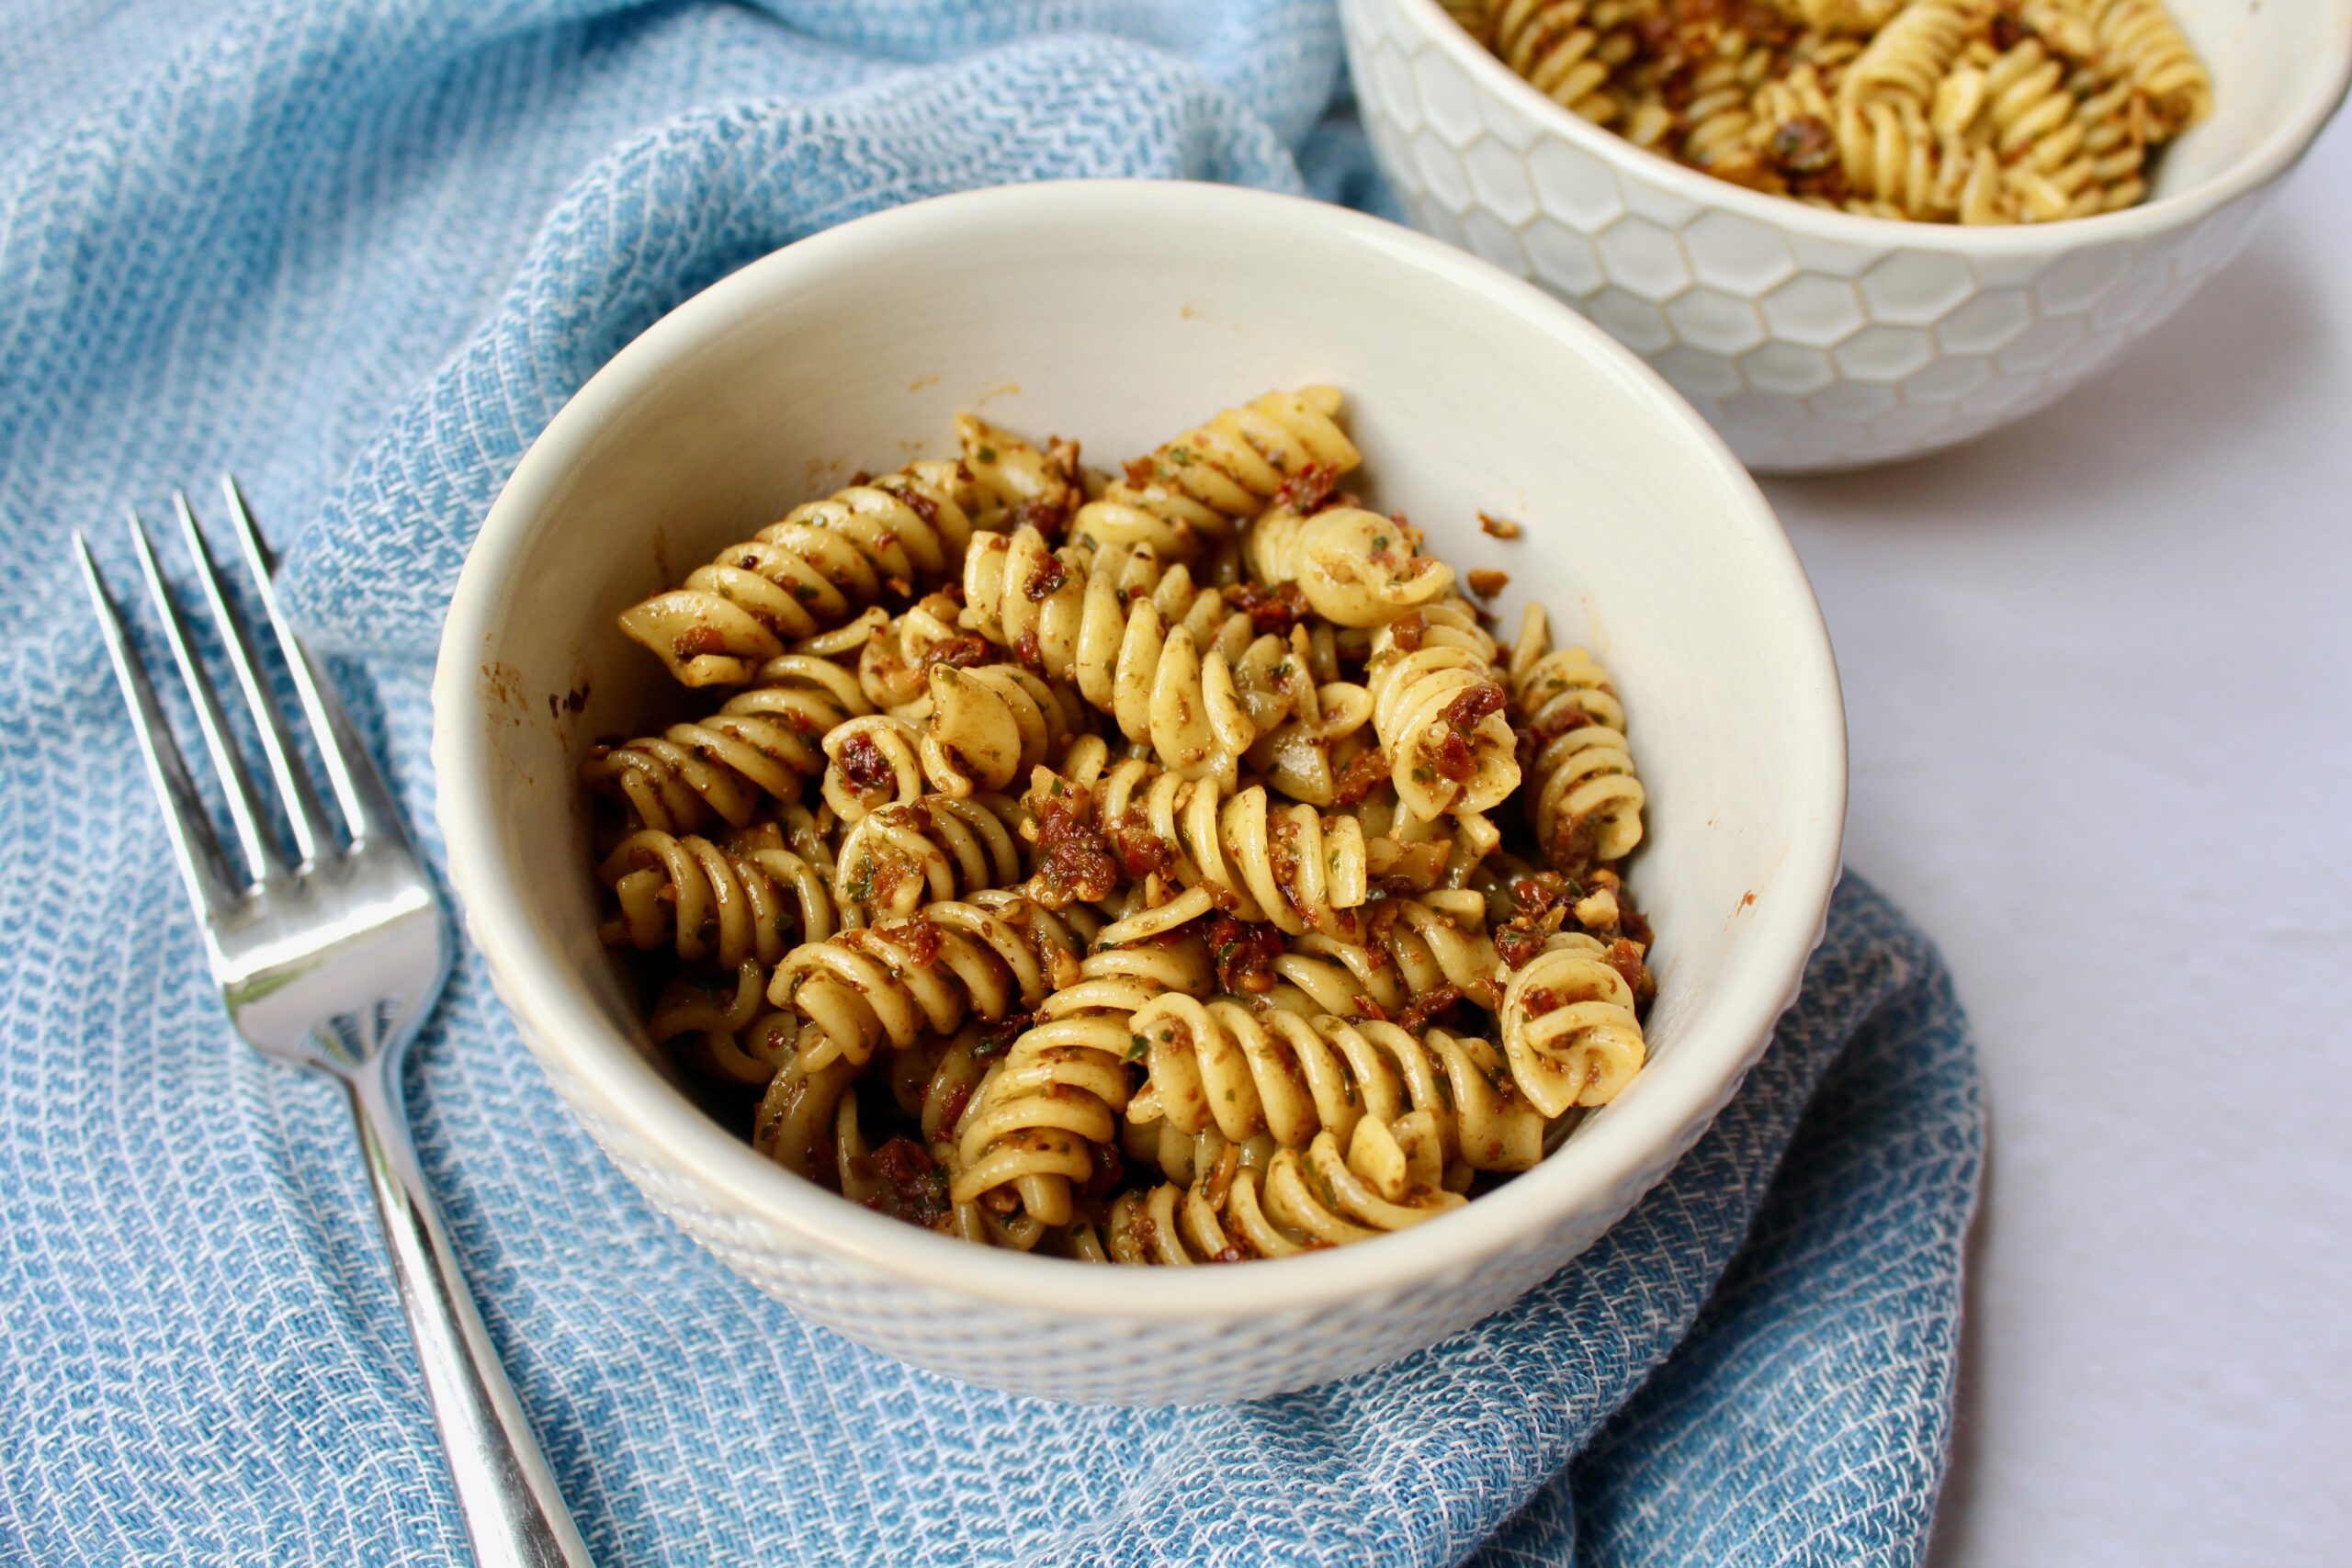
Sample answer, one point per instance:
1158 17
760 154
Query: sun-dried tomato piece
1362 774
1427 1006
920 504
1140 851
1625 957
1109 1171
951 1110
1049 514
1245 952
1306 491
1518 944
1571 848
914 1188
864 765
964 650
1274 608
1452 757
697 641
1074 863
923 943
1470 709
1049 575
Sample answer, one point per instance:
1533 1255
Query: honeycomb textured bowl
1816 340
1036 304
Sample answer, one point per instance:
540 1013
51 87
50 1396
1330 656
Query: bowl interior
1120 314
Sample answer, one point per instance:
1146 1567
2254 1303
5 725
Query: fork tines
214 880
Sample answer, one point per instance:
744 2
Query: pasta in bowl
1073 826
1269 758
1850 231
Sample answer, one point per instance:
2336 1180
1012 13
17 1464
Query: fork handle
515 1514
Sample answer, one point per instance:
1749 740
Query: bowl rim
1726 1035
2272 156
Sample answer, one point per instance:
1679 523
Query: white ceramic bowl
1119 312
1818 340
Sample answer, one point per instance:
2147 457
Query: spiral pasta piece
1286 1070
726 905
991 956
933 849
1128 634
2139 40
1177 668
1387 1179
1241 852
1298 750
875 759
2067 148
1188 494
722 1028
991 725
720 1025
795 1122
1187 1157
1427 951
826 562
1018 482
757 748
938 1085
1405 853
895 653
1354 568
1055 1098
1888 153
1566 49
809 1121
1721 114
1568 1027
1587 801
1438 712
1913 51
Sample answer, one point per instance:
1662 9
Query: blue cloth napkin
358 253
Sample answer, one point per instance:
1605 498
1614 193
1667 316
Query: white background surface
2098 677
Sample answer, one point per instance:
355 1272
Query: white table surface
2098 677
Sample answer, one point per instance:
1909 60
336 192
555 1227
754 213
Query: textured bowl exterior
1807 351
1457 378
1095 1357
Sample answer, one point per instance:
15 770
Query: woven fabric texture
358 253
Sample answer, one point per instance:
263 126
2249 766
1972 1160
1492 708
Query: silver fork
330 961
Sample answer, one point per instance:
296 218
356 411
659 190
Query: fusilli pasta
1587 802
1190 492
1386 1181
1165 897
1970 111
757 748
1438 711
